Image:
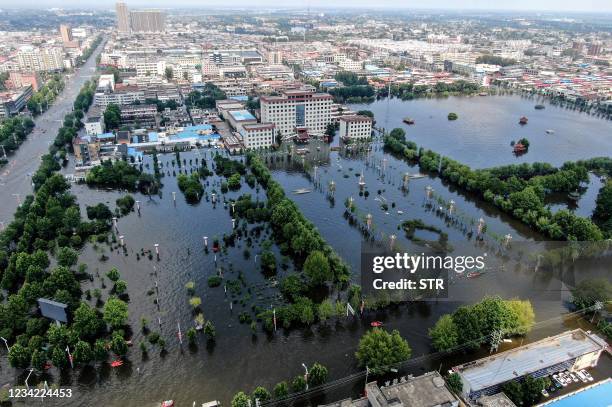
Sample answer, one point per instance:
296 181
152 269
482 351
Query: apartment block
257 135
37 59
355 127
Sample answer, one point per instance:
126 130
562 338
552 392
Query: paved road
15 177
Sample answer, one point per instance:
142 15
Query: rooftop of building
356 118
518 362
241 115
427 390
255 126
495 400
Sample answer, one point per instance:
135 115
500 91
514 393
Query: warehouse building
571 350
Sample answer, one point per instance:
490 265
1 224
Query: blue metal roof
241 115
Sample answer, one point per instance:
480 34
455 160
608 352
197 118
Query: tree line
298 238
518 190
13 132
46 94
50 222
471 326
407 91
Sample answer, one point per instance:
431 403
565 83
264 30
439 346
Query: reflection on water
481 136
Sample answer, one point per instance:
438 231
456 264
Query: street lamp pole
306 375
26 380
6 344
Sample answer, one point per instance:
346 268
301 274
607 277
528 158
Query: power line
404 364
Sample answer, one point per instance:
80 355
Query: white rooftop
527 359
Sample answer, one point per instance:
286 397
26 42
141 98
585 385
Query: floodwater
481 136
241 360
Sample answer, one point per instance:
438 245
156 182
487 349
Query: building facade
66 33
355 127
297 108
12 102
40 59
147 21
258 135
123 17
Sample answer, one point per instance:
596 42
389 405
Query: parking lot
601 372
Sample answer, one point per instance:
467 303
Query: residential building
570 350
13 101
297 108
143 115
232 72
147 21
428 390
123 17
257 135
350 65
94 125
275 57
86 149
20 79
106 83
66 33
355 127
40 59
126 95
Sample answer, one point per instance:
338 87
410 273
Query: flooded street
241 360
15 177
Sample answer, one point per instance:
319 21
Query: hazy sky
545 5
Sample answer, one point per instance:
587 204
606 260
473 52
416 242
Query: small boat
539 107
400 212
574 196
523 120
301 191
519 148
376 324
408 120
167 403
116 363
550 131
474 274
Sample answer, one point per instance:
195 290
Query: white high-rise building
123 17
40 59
297 109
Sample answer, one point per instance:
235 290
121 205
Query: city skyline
563 6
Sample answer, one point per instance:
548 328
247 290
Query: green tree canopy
316 268
115 312
378 349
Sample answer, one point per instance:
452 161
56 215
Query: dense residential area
309 206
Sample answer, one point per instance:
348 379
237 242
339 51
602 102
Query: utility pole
8 349
26 380
495 340
306 374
